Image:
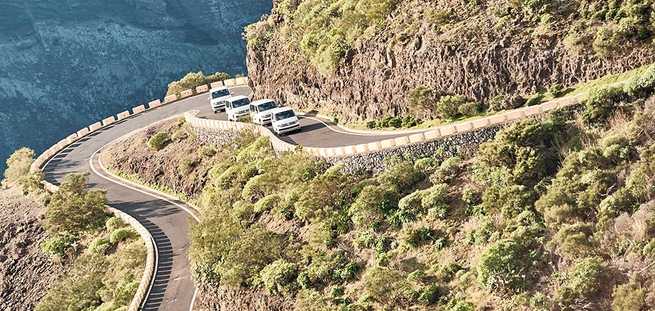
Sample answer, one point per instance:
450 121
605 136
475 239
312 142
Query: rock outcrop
25 271
471 57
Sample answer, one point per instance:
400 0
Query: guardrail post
154 104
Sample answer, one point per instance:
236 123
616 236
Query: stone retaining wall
473 131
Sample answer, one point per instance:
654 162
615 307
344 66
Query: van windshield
284 115
267 106
220 93
240 103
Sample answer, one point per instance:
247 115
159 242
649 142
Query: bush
371 206
574 240
628 297
267 203
385 285
600 104
400 175
448 106
396 122
509 265
447 171
469 109
421 99
581 281
435 200
121 234
159 141
58 244
426 166
18 165
100 246
279 277
535 99
417 237
114 223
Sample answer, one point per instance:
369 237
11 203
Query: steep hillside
26 272
554 213
370 59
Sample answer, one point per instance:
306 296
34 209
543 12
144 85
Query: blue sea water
65 64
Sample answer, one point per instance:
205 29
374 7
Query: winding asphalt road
168 220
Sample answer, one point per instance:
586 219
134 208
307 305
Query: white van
260 111
237 108
284 120
217 98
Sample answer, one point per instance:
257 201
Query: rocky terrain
479 49
25 271
65 64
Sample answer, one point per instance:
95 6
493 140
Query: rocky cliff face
474 55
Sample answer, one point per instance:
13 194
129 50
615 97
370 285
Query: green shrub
556 90
114 223
600 104
628 297
426 166
400 175
371 206
448 106
574 240
581 281
535 99
267 203
121 234
509 265
244 212
605 41
100 246
79 289
395 122
18 165
417 237
58 244
279 277
209 151
159 141
422 99
447 171
371 124
435 200
385 285
187 165
469 109
258 187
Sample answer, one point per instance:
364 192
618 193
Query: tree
74 208
18 165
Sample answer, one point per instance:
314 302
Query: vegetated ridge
367 60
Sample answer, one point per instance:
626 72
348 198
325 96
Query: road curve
167 220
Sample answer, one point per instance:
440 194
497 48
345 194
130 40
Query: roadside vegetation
104 257
194 79
455 233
